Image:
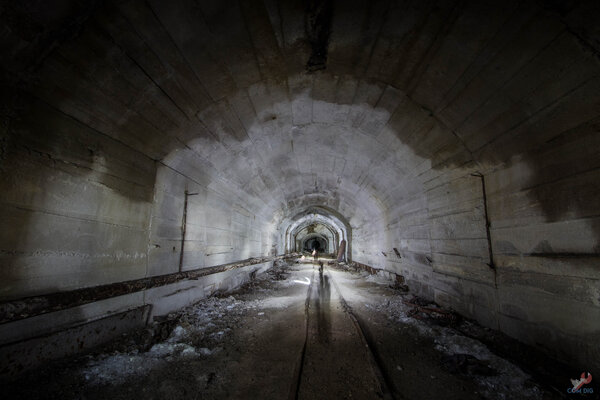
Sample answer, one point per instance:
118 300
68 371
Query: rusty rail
374 271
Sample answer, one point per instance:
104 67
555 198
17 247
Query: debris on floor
467 364
278 272
193 353
498 377
424 310
197 331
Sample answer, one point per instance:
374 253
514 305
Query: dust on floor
244 344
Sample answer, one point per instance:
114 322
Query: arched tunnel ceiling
319 215
226 93
454 143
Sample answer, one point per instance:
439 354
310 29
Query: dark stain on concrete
317 23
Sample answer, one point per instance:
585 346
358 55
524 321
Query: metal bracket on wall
183 227
487 225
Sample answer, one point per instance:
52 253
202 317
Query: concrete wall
81 209
26 343
76 205
546 252
110 112
537 277
218 230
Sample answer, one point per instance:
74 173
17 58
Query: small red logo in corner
578 383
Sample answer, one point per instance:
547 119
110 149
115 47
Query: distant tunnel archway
318 222
318 243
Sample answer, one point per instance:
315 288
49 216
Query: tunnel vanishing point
153 153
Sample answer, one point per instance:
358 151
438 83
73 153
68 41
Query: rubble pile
279 271
197 331
460 354
425 310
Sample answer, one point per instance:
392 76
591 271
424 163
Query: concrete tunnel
155 154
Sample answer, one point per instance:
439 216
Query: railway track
319 336
295 389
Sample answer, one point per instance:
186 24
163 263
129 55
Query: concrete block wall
106 124
544 229
539 281
26 343
217 231
75 206
81 209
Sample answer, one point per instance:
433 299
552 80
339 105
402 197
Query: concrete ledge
392 276
27 354
169 298
46 324
14 310
28 342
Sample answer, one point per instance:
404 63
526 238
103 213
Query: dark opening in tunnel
316 243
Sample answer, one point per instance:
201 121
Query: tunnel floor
295 332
